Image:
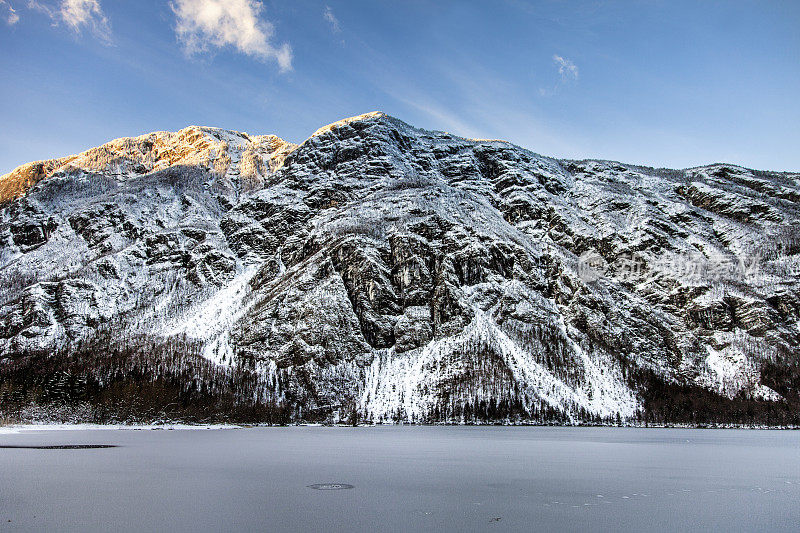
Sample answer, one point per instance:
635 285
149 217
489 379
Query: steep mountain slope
384 272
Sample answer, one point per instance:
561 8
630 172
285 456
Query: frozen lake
403 478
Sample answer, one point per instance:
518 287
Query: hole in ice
330 486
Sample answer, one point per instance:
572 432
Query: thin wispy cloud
442 114
332 20
205 25
566 68
42 7
86 14
470 108
567 72
8 13
77 15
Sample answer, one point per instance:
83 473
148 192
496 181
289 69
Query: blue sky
665 83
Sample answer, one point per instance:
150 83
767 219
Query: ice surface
404 479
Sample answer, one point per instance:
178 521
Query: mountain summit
381 272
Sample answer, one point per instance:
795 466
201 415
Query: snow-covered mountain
386 272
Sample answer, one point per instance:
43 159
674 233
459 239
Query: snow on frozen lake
403 479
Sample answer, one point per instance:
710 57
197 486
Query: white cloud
78 15
331 18
567 71
566 68
11 15
205 24
44 8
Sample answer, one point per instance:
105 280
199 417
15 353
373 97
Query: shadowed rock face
410 274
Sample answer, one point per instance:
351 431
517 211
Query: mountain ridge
381 272
19 173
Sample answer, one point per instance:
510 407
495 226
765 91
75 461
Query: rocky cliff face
394 273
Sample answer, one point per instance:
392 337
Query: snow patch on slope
406 383
211 319
730 372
